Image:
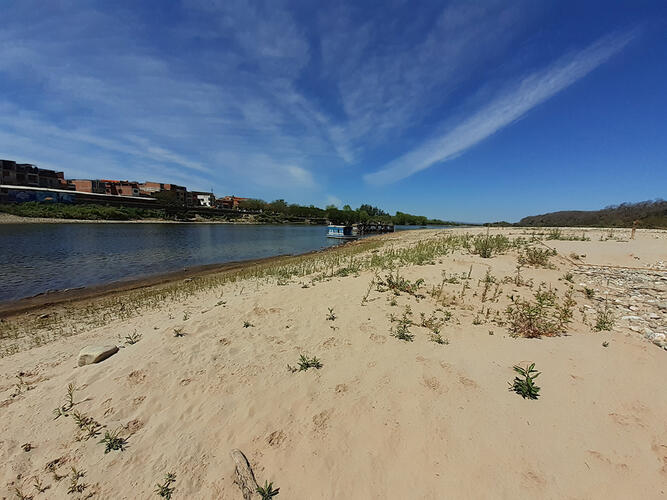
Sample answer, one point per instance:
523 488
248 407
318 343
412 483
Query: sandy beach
417 335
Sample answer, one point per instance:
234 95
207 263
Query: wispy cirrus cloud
508 107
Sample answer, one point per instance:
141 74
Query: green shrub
525 386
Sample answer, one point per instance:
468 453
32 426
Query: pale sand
383 418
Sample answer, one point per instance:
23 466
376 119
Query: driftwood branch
244 476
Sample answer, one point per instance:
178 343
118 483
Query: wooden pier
374 227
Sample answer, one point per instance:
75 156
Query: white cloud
334 200
503 110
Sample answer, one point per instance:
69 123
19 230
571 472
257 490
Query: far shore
15 219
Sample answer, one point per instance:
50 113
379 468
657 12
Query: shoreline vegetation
250 212
646 214
492 335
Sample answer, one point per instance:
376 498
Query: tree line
649 214
346 215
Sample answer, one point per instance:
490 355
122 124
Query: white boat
342 232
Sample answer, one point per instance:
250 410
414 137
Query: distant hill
650 214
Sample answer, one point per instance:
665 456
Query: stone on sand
96 353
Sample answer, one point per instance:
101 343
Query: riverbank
416 344
15 219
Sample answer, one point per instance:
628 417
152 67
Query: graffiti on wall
23 196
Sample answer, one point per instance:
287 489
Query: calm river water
40 257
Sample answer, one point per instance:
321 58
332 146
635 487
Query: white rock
631 318
659 337
96 353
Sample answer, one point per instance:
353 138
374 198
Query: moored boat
342 232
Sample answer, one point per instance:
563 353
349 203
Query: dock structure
374 227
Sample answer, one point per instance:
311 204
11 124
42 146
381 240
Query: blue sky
472 111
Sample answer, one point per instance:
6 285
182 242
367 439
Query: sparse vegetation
524 382
20 495
133 338
604 319
90 427
112 441
165 490
178 332
247 324
64 409
402 330
267 492
305 363
39 486
331 316
486 246
545 316
589 292
74 485
535 257
438 339
398 284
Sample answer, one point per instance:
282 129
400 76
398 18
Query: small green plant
87 424
398 284
133 338
64 409
545 316
39 486
568 276
178 332
535 257
113 441
432 322
74 485
486 246
267 492
402 330
437 338
165 490
20 495
364 299
247 324
186 316
589 292
305 363
604 319
331 316
524 383
605 344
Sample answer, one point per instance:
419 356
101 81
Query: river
37 258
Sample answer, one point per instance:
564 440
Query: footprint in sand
431 383
468 382
276 438
321 421
341 388
136 377
378 339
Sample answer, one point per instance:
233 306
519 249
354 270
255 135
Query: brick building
180 193
25 174
229 201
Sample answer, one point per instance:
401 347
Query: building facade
25 174
229 202
203 199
